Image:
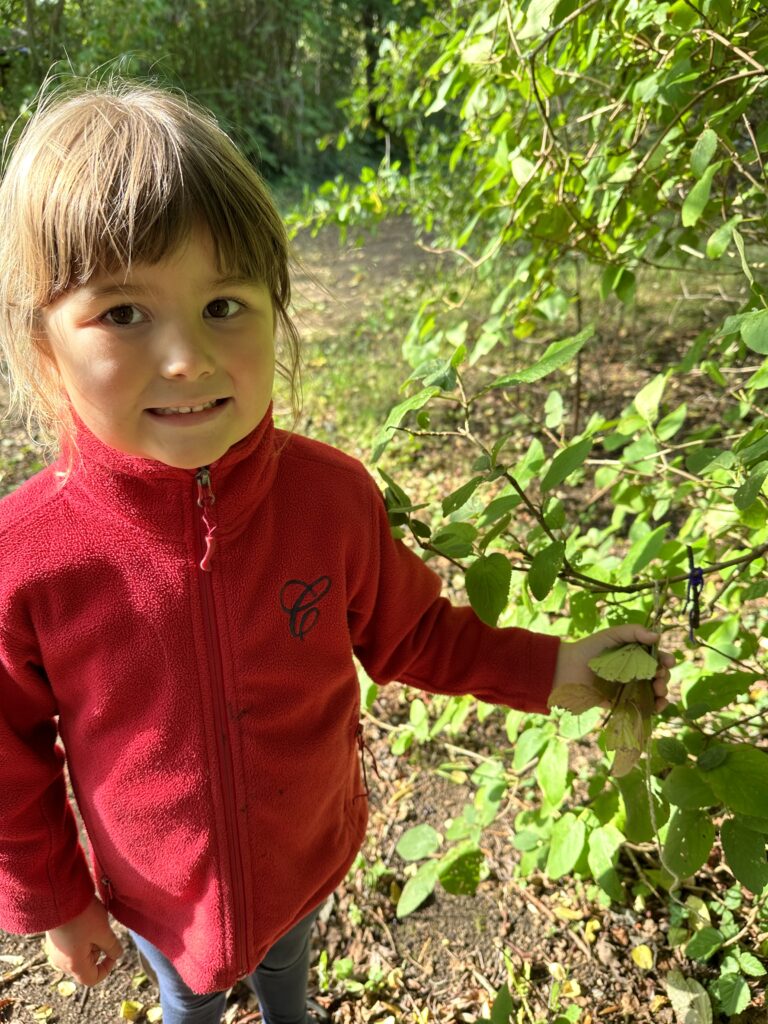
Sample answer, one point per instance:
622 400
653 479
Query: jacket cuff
31 914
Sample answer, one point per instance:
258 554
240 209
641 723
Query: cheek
92 374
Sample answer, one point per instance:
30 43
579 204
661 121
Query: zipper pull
205 499
109 892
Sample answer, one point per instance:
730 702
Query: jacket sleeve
44 878
403 629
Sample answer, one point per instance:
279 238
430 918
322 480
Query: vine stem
568 572
751 918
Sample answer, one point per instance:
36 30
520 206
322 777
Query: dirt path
441 964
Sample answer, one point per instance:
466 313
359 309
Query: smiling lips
175 410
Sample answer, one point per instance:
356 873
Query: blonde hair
112 174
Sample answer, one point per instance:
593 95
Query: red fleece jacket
210 717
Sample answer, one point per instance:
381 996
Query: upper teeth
172 410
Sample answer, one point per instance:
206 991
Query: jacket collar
151 495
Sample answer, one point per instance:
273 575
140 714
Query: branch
736 49
561 25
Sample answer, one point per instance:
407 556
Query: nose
186 352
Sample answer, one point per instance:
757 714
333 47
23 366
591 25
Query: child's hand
573 660
85 947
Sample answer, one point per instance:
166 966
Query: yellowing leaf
591 928
66 988
643 957
568 914
42 1012
623 762
574 697
154 1013
130 1009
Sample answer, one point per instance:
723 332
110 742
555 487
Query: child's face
132 349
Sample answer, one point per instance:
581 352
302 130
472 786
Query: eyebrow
116 288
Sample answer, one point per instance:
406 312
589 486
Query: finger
115 950
103 968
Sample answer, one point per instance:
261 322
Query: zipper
205 500
205 530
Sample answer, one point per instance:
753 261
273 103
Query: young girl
183 590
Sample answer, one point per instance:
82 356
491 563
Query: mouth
187 410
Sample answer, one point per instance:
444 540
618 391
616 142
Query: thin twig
17 972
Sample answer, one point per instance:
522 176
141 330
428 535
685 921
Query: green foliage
273 72
564 159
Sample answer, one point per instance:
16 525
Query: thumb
108 944
631 632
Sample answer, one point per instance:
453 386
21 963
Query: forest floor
555 943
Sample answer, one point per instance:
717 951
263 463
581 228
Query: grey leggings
280 983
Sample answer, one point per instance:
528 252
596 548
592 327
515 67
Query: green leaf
689 842
573 727
624 664
732 993
569 837
556 355
698 197
462 869
720 239
538 18
745 852
645 549
756 824
672 422
689 999
704 944
487 581
461 496
565 462
720 689
584 611
545 566
749 964
435 373
672 750
648 398
503 1006
455 540
754 331
741 782
396 417
686 787
529 743
712 757
703 151
418 842
743 256
639 827
417 889
603 847
745 495
552 771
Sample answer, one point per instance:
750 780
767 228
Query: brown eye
123 316
220 309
